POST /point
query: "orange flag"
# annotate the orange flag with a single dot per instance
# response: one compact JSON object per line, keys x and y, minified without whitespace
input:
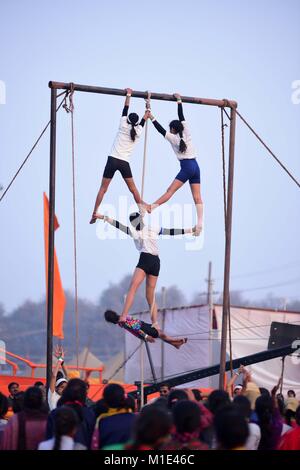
{"x":59,"y":300}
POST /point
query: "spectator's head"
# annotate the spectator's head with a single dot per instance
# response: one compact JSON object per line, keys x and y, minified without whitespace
{"x":111,"y":317}
{"x":231,"y":428}
{"x":42,"y":387}
{"x":114,"y":396}
{"x":176,"y":395}
{"x":197,"y":394}
{"x":13,"y":389}
{"x":264,"y":391}
{"x":3,"y":405}
{"x":39,"y":384}
{"x":291,"y":394}
{"x":187,"y":417}
{"x":74,"y":391}
{"x":136,"y":220}
{"x":65,"y":424}
{"x":217,"y":400}
{"x":60,"y":385}
{"x":152,"y":427}
{"x":242,"y":405}
{"x":164,"y":389}
{"x":33,"y":399}
{"x":18,"y":402}
{"x":237,"y":390}
{"x":264,"y":411}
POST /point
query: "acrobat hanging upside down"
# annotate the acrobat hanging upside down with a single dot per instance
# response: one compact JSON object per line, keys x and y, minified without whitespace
{"x":142,"y":330}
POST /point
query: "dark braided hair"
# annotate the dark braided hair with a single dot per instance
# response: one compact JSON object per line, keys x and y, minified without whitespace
{"x":178,"y":128}
{"x":133,"y":119}
{"x":65,"y":422}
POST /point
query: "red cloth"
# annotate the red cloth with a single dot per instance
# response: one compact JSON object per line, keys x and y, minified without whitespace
{"x":290,"y":440}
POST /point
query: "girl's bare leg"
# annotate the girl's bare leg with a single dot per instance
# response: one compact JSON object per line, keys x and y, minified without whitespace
{"x":137,"y":197}
{"x":168,"y":194}
{"x":196,"y":192}
{"x":137,"y":278}
{"x":150,"y":296}
{"x":176,"y":342}
{"x":103,"y":188}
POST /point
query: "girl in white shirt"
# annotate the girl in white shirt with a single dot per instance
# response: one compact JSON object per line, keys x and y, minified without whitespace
{"x":145,"y":239}
{"x":181,"y":142}
{"x":130,"y":130}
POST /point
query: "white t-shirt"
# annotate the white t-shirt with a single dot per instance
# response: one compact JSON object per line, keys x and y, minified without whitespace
{"x":174,"y":140}
{"x":53,"y":398}
{"x":146,"y":239}
{"x":254,"y":437}
{"x":123,"y":143}
{"x":66,"y":443}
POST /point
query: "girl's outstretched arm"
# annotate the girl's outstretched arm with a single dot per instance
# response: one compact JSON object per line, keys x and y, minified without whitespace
{"x":180,"y":108}
{"x":115,"y":223}
{"x":175,"y":231}
{"x":157,"y":126}
{"x":127,"y":101}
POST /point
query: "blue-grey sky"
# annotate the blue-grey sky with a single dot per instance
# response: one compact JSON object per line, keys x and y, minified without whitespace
{"x":248,"y":51}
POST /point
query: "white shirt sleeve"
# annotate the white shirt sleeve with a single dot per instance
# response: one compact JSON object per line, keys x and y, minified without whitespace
{"x":172,"y":138}
{"x":139,"y":130}
{"x":134,"y":233}
{"x":186,"y":129}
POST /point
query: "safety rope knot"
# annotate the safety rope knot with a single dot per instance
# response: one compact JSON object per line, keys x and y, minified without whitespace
{"x":69,"y":106}
{"x":147,"y":101}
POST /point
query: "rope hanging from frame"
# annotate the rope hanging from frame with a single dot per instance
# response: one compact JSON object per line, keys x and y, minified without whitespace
{"x":32,"y":148}
{"x":69,"y":108}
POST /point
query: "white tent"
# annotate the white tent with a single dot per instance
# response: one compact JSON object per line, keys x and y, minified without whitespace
{"x":250,"y":334}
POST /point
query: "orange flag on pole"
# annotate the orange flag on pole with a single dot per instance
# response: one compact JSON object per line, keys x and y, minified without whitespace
{"x":59,"y":300}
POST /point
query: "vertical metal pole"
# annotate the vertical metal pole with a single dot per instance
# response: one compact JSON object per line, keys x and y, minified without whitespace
{"x":163,"y":293}
{"x":226,"y":296}
{"x":210,"y":316}
{"x":208,"y":283}
{"x":150,"y":362}
{"x":51,"y":235}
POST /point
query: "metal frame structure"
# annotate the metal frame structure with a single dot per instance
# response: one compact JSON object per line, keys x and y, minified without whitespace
{"x":54,"y":86}
{"x":215,"y":369}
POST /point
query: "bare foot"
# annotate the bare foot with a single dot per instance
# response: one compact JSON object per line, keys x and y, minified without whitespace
{"x":179,"y":342}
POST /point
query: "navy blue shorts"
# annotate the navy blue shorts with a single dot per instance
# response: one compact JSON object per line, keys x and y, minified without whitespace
{"x":190,"y":171}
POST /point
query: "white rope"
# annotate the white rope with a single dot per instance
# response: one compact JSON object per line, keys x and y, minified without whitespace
{"x":147,"y":103}
{"x":145,"y":147}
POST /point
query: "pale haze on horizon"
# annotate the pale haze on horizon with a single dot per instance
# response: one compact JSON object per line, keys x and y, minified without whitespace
{"x":247,"y":51}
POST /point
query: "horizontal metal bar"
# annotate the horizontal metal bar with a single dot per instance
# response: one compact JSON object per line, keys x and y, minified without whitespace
{"x":142,"y":94}
{"x":214,"y":370}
